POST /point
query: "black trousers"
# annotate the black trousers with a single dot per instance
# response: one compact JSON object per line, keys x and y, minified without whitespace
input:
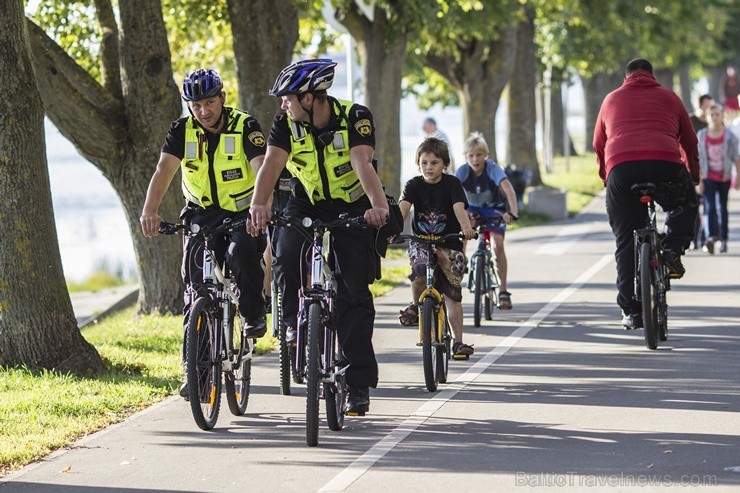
{"x":354,"y":265}
{"x":243,"y":253}
{"x":626,"y":213}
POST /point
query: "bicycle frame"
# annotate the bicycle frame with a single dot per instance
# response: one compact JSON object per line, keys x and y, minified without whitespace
{"x":222,"y":289}
{"x":224,"y":292}
{"x":648,"y":234}
{"x":320,"y":289}
{"x":430,"y":290}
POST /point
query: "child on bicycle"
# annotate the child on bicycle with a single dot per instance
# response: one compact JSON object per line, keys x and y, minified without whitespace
{"x":439,"y":209}
{"x":491,"y":199}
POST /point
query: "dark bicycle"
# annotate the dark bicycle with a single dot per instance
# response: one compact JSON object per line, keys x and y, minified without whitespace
{"x":483,"y":280}
{"x":652,"y":279}
{"x":215,"y":342}
{"x":318,"y":356}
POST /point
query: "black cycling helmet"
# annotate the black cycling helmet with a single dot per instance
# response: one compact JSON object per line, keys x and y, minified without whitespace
{"x":304,"y":76}
{"x":201,"y":84}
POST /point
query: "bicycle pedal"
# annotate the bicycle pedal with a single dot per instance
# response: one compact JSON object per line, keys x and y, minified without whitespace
{"x":461,"y":357}
{"x":355,"y":413}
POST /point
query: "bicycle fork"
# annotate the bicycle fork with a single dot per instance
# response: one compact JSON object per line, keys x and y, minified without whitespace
{"x":440,"y":312}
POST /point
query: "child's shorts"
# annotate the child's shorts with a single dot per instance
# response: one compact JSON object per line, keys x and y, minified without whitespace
{"x":448,"y":272}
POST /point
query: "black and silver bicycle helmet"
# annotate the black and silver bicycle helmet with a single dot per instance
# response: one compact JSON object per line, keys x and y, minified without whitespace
{"x":201,"y":84}
{"x":304,"y":76}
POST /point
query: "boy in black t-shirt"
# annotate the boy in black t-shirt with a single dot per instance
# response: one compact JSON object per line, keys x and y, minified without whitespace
{"x":439,"y":209}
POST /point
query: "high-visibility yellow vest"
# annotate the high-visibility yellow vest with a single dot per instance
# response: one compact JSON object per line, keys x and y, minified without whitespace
{"x":328,"y":175}
{"x":232,"y":178}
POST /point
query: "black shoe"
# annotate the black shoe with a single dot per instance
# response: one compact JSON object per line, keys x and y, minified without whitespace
{"x":358,"y":402}
{"x":632,"y":321}
{"x":184,"y":391}
{"x":672,"y":261}
{"x":256,"y":328}
{"x":709,"y":245}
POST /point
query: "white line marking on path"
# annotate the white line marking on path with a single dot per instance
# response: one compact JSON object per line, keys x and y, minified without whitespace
{"x":565,"y":238}
{"x":360,"y":466}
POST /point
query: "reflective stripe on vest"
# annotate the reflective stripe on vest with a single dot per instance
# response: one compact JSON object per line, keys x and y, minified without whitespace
{"x":303,"y":161}
{"x":234,"y":176}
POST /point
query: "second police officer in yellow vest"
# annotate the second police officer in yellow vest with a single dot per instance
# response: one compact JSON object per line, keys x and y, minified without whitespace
{"x":328,"y":146}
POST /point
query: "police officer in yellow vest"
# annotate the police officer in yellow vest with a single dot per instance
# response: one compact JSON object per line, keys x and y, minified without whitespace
{"x":328,"y":145}
{"x":219,"y":150}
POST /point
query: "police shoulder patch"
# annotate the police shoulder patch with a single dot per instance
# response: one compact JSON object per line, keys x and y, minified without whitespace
{"x":257,"y":138}
{"x":364,"y":127}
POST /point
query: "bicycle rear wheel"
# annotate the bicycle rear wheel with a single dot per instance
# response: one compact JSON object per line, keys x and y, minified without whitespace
{"x":429,"y":354}
{"x":479,"y":289}
{"x":313,"y":374}
{"x":648,"y":295}
{"x":237,"y":382}
{"x":203,"y":365}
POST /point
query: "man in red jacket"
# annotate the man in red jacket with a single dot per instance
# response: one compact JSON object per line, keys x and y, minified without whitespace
{"x":644,"y":134}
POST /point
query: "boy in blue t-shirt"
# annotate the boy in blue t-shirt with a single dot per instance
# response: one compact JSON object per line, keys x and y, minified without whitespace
{"x":439,"y":204}
{"x":491,"y":199}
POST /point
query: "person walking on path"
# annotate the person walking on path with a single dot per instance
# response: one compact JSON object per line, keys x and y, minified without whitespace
{"x":718,"y":155}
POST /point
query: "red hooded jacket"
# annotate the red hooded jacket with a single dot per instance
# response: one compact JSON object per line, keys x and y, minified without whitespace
{"x":644,"y":121}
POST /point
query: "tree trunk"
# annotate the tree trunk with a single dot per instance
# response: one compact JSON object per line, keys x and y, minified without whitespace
{"x":522,"y":147}
{"x":685,"y":80}
{"x":257,"y":67}
{"x":595,"y":90}
{"x":479,"y":71}
{"x":37,"y":325}
{"x":381,"y":45}
{"x":122,"y":135}
{"x":665,"y":77}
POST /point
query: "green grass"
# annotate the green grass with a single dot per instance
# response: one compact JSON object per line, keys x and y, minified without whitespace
{"x":580,"y":177}
{"x":41,"y":411}
{"x":96,"y":281}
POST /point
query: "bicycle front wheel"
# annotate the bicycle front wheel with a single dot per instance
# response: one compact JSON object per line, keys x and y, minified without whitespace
{"x":480,"y":289}
{"x":203,"y":364}
{"x":429,"y":354}
{"x":313,"y":374}
{"x":237,"y":383}
{"x":491,"y":290}
{"x":442,"y":348}
{"x":648,"y":295}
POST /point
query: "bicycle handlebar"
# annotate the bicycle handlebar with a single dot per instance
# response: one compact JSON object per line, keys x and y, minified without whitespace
{"x":197,"y":231}
{"x":307,"y":222}
{"x":432,"y":241}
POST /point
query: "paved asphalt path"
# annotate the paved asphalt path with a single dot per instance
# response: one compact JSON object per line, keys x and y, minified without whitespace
{"x":556,"y":395}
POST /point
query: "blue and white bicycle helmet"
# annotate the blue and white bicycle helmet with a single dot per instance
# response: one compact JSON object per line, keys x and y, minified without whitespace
{"x":304,"y":76}
{"x":201,"y":84}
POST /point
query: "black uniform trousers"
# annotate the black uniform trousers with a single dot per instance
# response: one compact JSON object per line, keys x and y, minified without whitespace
{"x":354,"y":265}
{"x":626,"y":213}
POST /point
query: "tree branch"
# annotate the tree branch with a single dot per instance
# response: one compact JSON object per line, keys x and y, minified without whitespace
{"x":352,"y":19}
{"x":111,"y":66}
{"x":82,"y":109}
